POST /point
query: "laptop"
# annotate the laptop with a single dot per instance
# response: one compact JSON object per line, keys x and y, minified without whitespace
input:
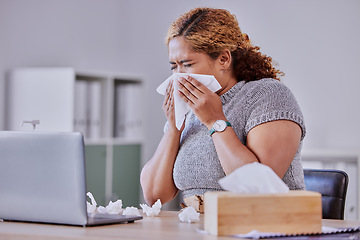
{"x":43,"y":180}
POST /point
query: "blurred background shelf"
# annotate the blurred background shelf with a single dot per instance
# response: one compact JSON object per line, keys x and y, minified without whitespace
{"x":104,"y":106}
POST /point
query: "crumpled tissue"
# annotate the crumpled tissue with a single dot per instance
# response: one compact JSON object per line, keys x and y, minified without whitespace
{"x":180,"y":107}
{"x":253,"y":178}
{"x":152,"y":211}
{"x":189,"y":215}
{"x":111,"y":208}
{"x":91,"y":207}
{"x":131,"y":211}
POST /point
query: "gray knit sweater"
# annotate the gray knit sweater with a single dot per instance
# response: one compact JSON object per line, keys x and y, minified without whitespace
{"x":197,"y":168}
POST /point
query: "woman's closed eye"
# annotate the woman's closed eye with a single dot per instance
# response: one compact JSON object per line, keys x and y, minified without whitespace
{"x":173,"y":67}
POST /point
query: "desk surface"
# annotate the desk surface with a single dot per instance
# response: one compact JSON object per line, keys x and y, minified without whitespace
{"x":166,"y":226}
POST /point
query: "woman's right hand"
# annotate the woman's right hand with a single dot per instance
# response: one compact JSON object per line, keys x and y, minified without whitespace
{"x":169,"y":107}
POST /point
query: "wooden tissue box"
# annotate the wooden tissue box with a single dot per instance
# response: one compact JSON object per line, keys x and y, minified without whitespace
{"x":295,"y":212}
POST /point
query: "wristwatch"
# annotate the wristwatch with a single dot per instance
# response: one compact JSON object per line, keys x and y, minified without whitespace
{"x":219,"y":126}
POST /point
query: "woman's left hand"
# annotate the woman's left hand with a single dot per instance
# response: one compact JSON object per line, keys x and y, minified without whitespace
{"x":205,"y":104}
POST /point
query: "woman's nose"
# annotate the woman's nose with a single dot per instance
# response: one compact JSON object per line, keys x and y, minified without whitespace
{"x":179,"y":69}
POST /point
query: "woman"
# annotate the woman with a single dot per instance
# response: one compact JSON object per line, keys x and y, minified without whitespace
{"x":252,"y":118}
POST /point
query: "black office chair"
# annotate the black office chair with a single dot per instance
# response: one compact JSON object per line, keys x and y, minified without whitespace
{"x":332,"y":184}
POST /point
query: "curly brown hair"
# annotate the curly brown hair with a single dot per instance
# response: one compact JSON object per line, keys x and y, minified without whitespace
{"x":211,"y":31}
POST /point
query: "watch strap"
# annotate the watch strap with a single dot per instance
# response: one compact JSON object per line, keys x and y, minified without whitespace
{"x":212,"y":130}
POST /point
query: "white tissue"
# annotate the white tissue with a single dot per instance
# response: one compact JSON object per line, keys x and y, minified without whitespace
{"x":253,"y":178}
{"x":189,"y":214}
{"x":131,"y":211}
{"x":101,"y":209}
{"x":181,"y":108}
{"x":153,"y":211}
{"x":112,"y":207}
{"x":91,"y":207}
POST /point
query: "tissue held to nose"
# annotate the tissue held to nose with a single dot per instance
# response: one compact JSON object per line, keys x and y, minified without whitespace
{"x":181,"y":108}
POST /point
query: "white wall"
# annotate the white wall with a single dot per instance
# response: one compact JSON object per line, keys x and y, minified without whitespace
{"x":2,"y":103}
{"x":316,"y":44}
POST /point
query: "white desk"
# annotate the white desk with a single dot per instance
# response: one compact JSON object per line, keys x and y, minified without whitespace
{"x":165,"y":227}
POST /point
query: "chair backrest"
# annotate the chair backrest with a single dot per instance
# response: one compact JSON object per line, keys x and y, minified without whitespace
{"x":332,"y":184}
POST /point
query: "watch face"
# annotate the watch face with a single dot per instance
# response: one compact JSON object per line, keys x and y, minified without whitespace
{"x":220,"y":125}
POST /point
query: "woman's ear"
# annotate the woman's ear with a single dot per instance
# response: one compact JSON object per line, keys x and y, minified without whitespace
{"x":225,"y":59}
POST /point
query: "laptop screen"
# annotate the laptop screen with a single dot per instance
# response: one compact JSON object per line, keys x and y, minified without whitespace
{"x":43,"y":177}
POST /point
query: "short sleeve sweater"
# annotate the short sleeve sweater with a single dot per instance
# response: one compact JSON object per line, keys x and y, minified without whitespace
{"x":197,"y":168}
